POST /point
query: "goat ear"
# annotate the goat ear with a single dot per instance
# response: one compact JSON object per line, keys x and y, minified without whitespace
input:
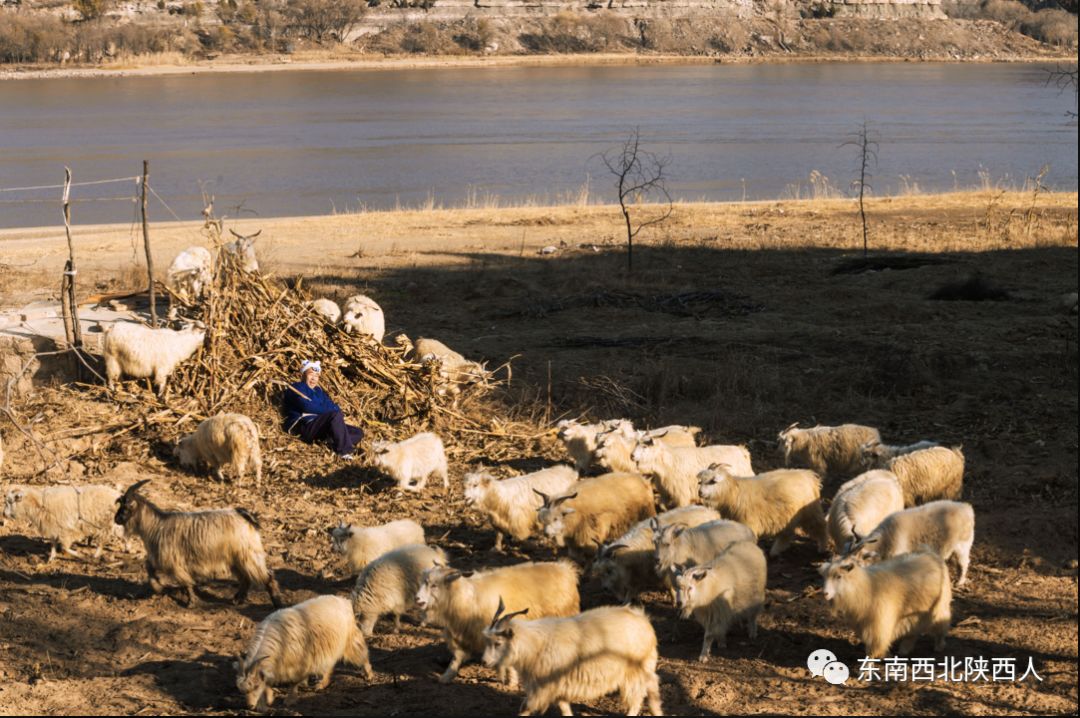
{"x":677,"y":530}
{"x":699,"y":573}
{"x":569,"y":510}
{"x":823,"y":567}
{"x":847,"y":567}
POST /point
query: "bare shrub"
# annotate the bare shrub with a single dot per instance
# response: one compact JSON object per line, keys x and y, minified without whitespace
{"x":31,"y":38}
{"x":322,"y":20}
{"x":1052,"y":26}
{"x":427,"y":38}
{"x":569,"y":32}
{"x":91,"y":9}
{"x":475,"y":34}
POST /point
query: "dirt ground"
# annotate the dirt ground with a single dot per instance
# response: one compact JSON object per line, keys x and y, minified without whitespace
{"x":735,"y":318}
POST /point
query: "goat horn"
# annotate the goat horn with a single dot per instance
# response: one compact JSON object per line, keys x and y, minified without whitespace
{"x":498,"y":612}
{"x":546,"y":499}
{"x":135,"y":487}
{"x":561,"y":499}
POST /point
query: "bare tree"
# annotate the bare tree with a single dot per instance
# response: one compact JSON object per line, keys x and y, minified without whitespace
{"x":639,"y":176}
{"x":1065,"y":79}
{"x":865,"y":140}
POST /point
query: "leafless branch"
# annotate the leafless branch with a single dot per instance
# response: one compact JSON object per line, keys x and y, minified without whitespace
{"x":639,"y":175}
{"x":1064,"y":79}
{"x":865,"y":140}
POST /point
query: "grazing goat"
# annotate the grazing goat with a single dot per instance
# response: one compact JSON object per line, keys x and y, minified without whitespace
{"x":614,"y":448}
{"x":674,"y":471}
{"x":388,"y":585}
{"x":193,"y":546}
{"x":64,"y":515}
{"x":929,"y":474}
{"x":243,"y":249}
{"x":141,"y":352}
{"x":191,"y":273}
{"x":729,"y":588}
{"x":361,"y":545}
{"x":223,"y":440}
{"x":293,"y":644}
{"x":898,"y":599}
{"x":831,"y":451}
{"x":626,"y":567}
{"x":511,"y":504}
{"x":594,"y":511}
{"x":578,"y":658}
{"x":462,"y":602}
{"x":413,"y":461}
{"x":364,"y":316}
{"x":945,"y":527}
{"x":861,"y":504}
{"x":776,"y":503}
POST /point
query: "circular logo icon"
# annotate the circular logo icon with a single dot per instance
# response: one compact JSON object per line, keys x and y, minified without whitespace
{"x":836,"y":673}
{"x":818,"y":660}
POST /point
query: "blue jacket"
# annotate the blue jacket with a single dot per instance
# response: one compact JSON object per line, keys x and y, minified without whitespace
{"x":304,"y":403}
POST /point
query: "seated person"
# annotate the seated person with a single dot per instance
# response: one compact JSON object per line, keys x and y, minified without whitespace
{"x":312,"y":415}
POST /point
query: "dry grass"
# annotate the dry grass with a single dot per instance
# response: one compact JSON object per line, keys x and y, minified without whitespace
{"x":990,"y":219}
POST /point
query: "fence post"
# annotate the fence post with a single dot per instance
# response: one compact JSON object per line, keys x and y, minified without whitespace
{"x":70,"y":310}
{"x":146,"y":244}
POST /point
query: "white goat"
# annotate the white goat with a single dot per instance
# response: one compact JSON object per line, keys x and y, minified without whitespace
{"x":899,"y":599}
{"x":327,"y":309}
{"x":462,"y":603}
{"x":861,"y":504}
{"x":293,"y":644}
{"x":140,"y":352}
{"x":929,"y":474}
{"x":776,"y":503}
{"x":876,"y":455}
{"x":579,"y":658}
{"x":223,"y":440}
{"x":626,"y":566}
{"x":945,"y":527}
{"x":364,"y":316}
{"x":64,"y":515}
{"x":193,"y":546}
{"x":191,"y":272}
{"x":361,"y":545}
{"x":615,"y":447}
{"x":729,"y":588}
{"x":411,"y":462}
{"x":831,"y":451}
{"x":243,"y":248}
{"x":454,"y":370}
{"x":580,"y":440}
{"x":677,"y":546}
{"x":511,"y":504}
{"x":388,"y":585}
{"x":675,"y":471}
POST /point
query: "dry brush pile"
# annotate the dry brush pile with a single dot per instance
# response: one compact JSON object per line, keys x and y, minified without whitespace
{"x":259,"y":329}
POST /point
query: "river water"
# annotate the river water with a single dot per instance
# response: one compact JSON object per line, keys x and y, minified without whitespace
{"x":297,"y":143}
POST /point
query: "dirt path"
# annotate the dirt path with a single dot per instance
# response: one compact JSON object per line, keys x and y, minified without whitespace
{"x":734,"y":320}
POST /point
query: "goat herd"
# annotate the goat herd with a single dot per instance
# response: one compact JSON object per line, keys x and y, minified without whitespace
{"x":888,"y":579}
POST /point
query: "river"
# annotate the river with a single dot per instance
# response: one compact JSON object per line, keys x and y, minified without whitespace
{"x":298,"y":143}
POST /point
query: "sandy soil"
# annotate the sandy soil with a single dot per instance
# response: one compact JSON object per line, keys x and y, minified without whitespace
{"x":312,"y":61}
{"x":734,"y":319}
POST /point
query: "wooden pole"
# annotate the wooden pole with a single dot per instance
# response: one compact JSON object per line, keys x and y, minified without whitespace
{"x":146,"y":244}
{"x":72,"y":330}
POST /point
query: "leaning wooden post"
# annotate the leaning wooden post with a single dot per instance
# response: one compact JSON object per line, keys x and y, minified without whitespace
{"x":146,"y":244}
{"x":72,"y":330}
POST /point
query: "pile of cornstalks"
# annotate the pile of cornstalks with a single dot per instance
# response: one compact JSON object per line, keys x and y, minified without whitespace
{"x":258,"y":331}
